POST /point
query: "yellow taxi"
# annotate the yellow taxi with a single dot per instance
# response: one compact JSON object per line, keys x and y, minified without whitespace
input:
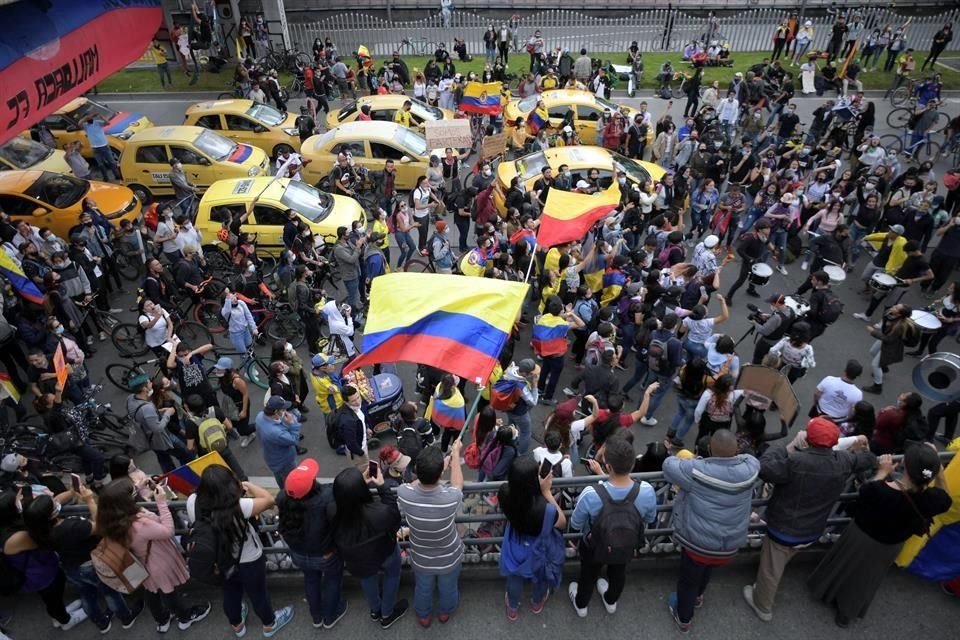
{"x":587,"y":110}
{"x":383,"y":108}
{"x":371,"y":144}
{"x":23,"y":153}
{"x":580,"y":160}
{"x":64,"y":124}
{"x":206,"y":157}
{"x":249,"y":122}
{"x":267,"y":200}
{"x":54,"y":200}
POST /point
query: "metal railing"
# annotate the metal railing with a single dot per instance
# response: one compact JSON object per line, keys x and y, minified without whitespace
{"x":748,"y":30}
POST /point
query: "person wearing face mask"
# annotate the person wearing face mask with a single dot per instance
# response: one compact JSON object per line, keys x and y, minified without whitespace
{"x":241,"y":326}
{"x":184,"y":191}
{"x":278,"y":430}
{"x":187,"y":234}
{"x":440,"y":251}
{"x":564,"y":179}
{"x":65,"y":283}
{"x":166,"y":236}
{"x":186,"y":365}
{"x":34,"y":266}
{"x":153,"y":425}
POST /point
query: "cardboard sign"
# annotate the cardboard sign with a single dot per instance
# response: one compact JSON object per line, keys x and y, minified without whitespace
{"x":494,"y":145}
{"x":60,"y":366}
{"x":448,"y":133}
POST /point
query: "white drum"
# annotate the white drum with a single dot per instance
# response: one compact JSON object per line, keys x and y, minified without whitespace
{"x":760,"y":274}
{"x":882,"y":282}
{"x":925,"y":321}
{"x":837,"y":274}
{"x":798,"y":305}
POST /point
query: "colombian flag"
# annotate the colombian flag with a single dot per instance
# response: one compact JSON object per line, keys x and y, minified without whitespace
{"x":185,"y":480}
{"x":474,"y":263}
{"x":506,"y":394}
{"x":936,"y":557}
{"x":613,"y":282}
{"x":524,"y":235}
{"x":549,"y":335}
{"x":453,"y":323}
{"x":23,"y":285}
{"x":567,"y":216}
{"x":450,"y":413}
{"x":492,"y":380}
{"x":538,"y":119}
{"x":594,"y":270}
{"x":481,"y":98}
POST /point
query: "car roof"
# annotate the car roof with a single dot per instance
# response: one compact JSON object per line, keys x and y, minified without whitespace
{"x":229,"y":190}
{"x":388,"y":101}
{"x":18,"y":181}
{"x":220,"y":106}
{"x":568,"y":95}
{"x":176,"y":133}
{"x":367,"y":128}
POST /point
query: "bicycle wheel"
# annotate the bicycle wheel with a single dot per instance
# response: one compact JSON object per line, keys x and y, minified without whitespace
{"x":899,"y":96}
{"x":943,"y":120}
{"x":128,"y":266}
{"x":286,"y":327}
{"x":194,"y":333}
{"x":928,"y":150}
{"x":268,"y":262}
{"x":899,"y":118}
{"x":258,"y":374}
{"x":418,"y":265}
{"x":207,"y":313}
{"x":120,"y":374}
{"x":107,"y":321}
{"x":677,"y":90}
{"x":893,"y":144}
{"x":129,"y":340}
{"x":216,"y":258}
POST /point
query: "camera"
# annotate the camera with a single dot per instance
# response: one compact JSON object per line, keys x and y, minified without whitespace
{"x":755,"y":314}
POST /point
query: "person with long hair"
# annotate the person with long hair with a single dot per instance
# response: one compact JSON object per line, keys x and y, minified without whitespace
{"x":308,"y":530}
{"x":895,"y":331}
{"x":861,"y":422}
{"x":694,"y":379}
{"x":447,"y":410}
{"x":901,"y":426}
{"x":228,"y":504}
{"x":234,"y":388}
{"x":795,"y":353}
{"x":366,"y":537}
{"x":150,"y":539}
{"x":527,"y":503}
{"x":890,"y":509}
{"x":164,"y":396}
{"x":716,"y":406}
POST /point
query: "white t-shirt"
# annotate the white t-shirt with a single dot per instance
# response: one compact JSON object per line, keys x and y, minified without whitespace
{"x":165,"y":229}
{"x":252,"y":549}
{"x":421,"y":202}
{"x":837,"y":397}
{"x":187,"y":237}
{"x":698,"y":331}
{"x":156,"y":335}
{"x":566,"y":467}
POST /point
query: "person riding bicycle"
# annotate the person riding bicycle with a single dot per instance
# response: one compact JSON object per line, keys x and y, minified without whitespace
{"x":922,"y":122}
{"x":303,"y":300}
{"x":665,"y":76}
{"x":346,"y":176}
{"x":928,"y":90}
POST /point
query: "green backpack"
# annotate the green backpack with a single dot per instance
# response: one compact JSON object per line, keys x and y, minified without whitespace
{"x":212,"y":435}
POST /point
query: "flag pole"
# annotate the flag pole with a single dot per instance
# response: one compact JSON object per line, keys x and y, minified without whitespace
{"x":473,"y":410}
{"x":533,"y":258}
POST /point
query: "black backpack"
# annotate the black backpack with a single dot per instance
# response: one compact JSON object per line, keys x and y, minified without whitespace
{"x":334,"y":439}
{"x":209,"y":559}
{"x":832,"y":308}
{"x":658,"y":355}
{"x":617,"y":531}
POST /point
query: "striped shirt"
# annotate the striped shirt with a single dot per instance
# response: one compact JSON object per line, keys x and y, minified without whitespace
{"x":435,"y":545}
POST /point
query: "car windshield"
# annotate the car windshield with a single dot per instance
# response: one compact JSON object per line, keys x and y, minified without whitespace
{"x":266,"y":114}
{"x":23,"y":153}
{"x":531,"y":165}
{"x":58,"y":190}
{"x":411,"y":142}
{"x":633,"y":168}
{"x":91,"y":108}
{"x":346,"y":111}
{"x":214,"y":145}
{"x":423,"y":111}
{"x":528,"y":103}
{"x":312,"y":204}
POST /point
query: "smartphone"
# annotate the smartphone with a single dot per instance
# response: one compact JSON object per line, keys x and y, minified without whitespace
{"x":373,"y":469}
{"x":545,"y":468}
{"x":75,"y":480}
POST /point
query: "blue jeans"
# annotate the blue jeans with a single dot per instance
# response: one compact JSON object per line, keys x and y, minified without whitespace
{"x":699,"y":220}
{"x":383,"y":603}
{"x":241,"y":340}
{"x":106,"y":161}
{"x":779,"y":239}
{"x":684,"y":418}
{"x":657,"y":397}
{"x":515,"y":591}
{"x":777,"y":108}
{"x":353,"y":293}
{"x":85,"y":579}
{"x":524,"y":427}
{"x":448,"y":587}
{"x":250,"y":579}
{"x":322,"y":580}
{"x":166,"y":80}
{"x":857,"y":234}
{"x":694,"y":349}
{"x":408,"y":248}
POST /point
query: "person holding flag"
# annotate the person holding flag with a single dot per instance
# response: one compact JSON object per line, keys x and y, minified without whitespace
{"x":549,"y":342}
{"x":539,"y":118}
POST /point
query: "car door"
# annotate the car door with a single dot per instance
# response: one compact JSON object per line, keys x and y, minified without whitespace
{"x":557,"y":113}
{"x":20,"y":207}
{"x":151,"y":168}
{"x":240,"y":128}
{"x":200,"y":170}
{"x":267,"y":223}
{"x":588,"y":119}
{"x":212,"y":121}
{"x":408,"y":167}
{"x":65,"y":130}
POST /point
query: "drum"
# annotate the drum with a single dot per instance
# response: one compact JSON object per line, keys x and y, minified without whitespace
{"x":760,"y":274}
{"x":837,"y":274}
{"x":882,"y":282}
{"x":925,"y":321}
{"x":798,"y":305}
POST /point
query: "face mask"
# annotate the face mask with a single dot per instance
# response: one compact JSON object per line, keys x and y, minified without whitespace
{"x":487,"y":172}
{"x":622,"y":180}
{"x":252,"y":268}
{"x":59,"y":330}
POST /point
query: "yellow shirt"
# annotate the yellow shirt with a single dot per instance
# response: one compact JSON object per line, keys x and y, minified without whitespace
{"x":326,"y":392}
{"x":518,"y":137}
{"x":897,"y":255}
{"x":402,"y":116}
{"x":158,"y":55}
{"x":547,"y":291}
{"x":552,"y":261}
{"x":381,"y":227}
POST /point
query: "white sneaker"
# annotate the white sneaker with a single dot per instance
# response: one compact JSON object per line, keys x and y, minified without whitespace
{"x":75,"y":605}
{"x":246,"y":440}
{"x":803,"y":265}
{"x":766,"y":616}
{"x":103,"y":336}
{"x":572,"y":592}
{"x":648,"y":422}
{"x":602,"y":587}
{"x":861,"y":316}
{"x":782,"y":269}
{"x":76,"y":617}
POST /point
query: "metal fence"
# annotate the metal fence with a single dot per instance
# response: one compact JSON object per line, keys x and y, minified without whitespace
{"x":750,"y":30}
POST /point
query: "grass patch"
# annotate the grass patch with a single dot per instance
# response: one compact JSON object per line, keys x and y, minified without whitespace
{"x":147,"y":80}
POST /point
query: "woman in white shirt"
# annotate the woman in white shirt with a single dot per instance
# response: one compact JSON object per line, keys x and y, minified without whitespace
{"x":715,"y":409}
{"x":419,"y":87}
{"x":795,"y":353}
{"x":219,"y":501}
{"x":157,"y":327}
{"x":697,"y":328}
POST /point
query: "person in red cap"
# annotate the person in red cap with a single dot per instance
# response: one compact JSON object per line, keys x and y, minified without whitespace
{"x":440,"y":251}
{"x":808,"y":476}
{"x":307,"y":529}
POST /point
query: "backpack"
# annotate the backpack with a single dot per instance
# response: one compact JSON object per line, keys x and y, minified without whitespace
{"x":617,"y":531}
{"x":594,"y":321}
{"x":117,"y":568}
{"x":471,"y":456}
{"x":334,"y":439}
{"x":490,"y":455}
{"x":832,"y":308}
{"x":664,"y":256}
{"x":139,"y":439}
{"x":212,"y":435}
{"x":209,"y":561}
{"x":658,"y":355}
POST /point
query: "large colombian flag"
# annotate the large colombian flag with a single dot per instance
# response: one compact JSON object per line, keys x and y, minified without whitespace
{"x":55,"y":50}
{"x":23,"y":285}
{"x":185,"y":480}
{"x":481,"y":98}
{"x":450,"y":322}
{"x":567,"y":216}
{"x":936,"y":556}
{"x":549,"y":335}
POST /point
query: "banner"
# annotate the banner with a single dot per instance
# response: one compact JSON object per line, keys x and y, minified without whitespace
{"x":54,"y":51}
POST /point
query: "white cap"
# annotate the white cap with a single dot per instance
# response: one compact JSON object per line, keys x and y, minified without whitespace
{"x":808,"y":23}
{"x":583,"y":184}
{"x":711,"y":241}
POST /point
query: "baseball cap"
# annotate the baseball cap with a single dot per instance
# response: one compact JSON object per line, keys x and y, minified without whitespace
{"x":224,"y":363}
{"x":300,"y":480}
{"x":897,"y":229}
{"x":527,"y":365}
{"x":10,"y":463}
{"x":711,"y":241}
{"x":137,"y":381}
{"x":276,"y":403}
{"x":822,"y":433}
{"x":583,"y":184}
{"x":775,"y":298}
{"x":320,"y":360}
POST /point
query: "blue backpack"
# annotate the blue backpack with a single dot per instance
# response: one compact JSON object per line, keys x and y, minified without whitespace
{"x":539,"y":558}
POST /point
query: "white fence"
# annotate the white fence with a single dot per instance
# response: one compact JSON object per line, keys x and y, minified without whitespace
{"x":751,"y":30}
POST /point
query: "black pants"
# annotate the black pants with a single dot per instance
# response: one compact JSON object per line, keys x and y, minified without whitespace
{"x":550,"y":370}
{"x":92,"y":460}
{"x":816,"y":329}
{"x":942,"y":266}
{"x":777,"y":49}
{"x":931,"y":340}
{"x":311,"y":327}
{"x":463,"y":228}
{"x":691,"y":584}
{"x":932,"y":58}
{"x":449,"y":435}
{"x":949,"y":412}
{"x":164,"y":605}
{"x":579,"y":345}
{"x":693,"y":100}
{"x":761,"y":350}
{"x":504,"y":48}
{"x":52,"y":597}
{"x":11,"y":355}
{"x":742,"y":277}
{"x":590,"y":571}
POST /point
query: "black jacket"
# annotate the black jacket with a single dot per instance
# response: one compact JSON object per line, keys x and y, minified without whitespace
{"x":350,"y":429}
{"x":315,"y":537}
{"x":366,"y":546}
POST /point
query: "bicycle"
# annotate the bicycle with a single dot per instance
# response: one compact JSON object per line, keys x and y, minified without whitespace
{"x":235,"y":93}
{"x":276,"y":320}
{"x":104,"y":320}
{"x":129,"y":338}
{"x":904,"y":93}
{"x":422,"y":264}
{"x":925,"y":147}
{"x":421,"y":46}
{"x":284,"y":60}
{"x":33,"y":443}
{"x":901,"y":118}
{"x":255,"y":368}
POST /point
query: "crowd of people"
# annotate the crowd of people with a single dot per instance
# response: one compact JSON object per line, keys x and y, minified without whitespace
{"x":629,"y":305}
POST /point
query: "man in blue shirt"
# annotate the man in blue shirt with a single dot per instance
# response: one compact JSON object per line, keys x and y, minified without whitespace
{"x":279,"y":432}
{"x":93,"y":127}
{"x":619,"y":458}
